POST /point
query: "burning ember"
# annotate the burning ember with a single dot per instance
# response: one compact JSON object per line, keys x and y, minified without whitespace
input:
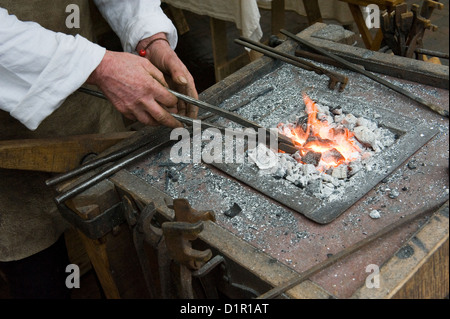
{"x":332,"y":147}
{"x":321,"y":143}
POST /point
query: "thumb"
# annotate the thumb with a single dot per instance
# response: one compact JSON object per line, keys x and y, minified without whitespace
{"x":180,"y":79}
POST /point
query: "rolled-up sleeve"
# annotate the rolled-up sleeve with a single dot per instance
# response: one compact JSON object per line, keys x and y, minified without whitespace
{"x":40,"y":68}
{"x":134,"y":20}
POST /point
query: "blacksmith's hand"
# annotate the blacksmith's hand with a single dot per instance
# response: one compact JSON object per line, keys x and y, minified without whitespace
{"x":158,"y":51}
{"x":136,"y":88}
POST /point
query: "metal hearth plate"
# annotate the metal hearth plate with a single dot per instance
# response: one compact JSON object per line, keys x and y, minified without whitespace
{"x":411,"y":136}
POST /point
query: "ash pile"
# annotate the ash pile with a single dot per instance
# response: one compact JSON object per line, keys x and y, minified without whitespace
{"x":322,"y":166}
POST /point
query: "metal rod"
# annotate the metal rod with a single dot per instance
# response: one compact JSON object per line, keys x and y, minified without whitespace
{"x":190,"y":121}
{"x":222,"y":112}
{"x":355,"y":68}
{"x":282,"y":145}
{"x":107,"y":172}
{"x":432,"y":53}
{"x":269,"y":51}
{"x":206,"y":106}
{"x":346,"y":252}
{"x":98,"y":162}
{"x":92,"y":92}
{"x":296,"y":61}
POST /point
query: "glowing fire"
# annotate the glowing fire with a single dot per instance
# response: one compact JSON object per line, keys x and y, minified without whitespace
{"x":334,"y":146}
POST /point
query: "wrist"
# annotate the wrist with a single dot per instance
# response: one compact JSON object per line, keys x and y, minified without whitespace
{"x":96,"y":75}
{"x":145,"y":46}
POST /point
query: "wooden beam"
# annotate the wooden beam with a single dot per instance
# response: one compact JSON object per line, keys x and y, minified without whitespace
{"x":97,"y":252}
{"x":219,"y":45}
{"x":431,"y":281}
{"x":55,"y":155}
{"x":178,"y":19}
{"x":278,"y":21}
{"x":361,"y":24}
{"x":312,"y":11}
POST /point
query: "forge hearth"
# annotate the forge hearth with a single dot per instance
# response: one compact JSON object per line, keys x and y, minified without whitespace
{"x":309,"y":199}
{"x":332,"y":149}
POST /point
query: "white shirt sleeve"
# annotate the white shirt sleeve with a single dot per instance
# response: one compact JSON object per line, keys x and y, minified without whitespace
{"x":134,"y":20}
{"x":39,"y":68}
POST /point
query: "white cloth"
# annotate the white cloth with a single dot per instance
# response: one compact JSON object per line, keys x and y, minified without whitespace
{"x":244,"y":13}
{"x":134,"y":20}
{"x":39,"y":68}
{"x":329,"y":9}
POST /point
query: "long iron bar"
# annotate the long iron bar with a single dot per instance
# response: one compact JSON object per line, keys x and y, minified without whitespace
{"x":107,"y":172}
{"x":98,"y":162}
{"x":288,"y":148}
{"x":370,"y":75}
{"x":211,"y":116}
{"x":214,"y":109}
{"x":298,"y":279}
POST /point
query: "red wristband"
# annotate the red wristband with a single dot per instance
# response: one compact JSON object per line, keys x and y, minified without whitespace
{"x":143,"y":51}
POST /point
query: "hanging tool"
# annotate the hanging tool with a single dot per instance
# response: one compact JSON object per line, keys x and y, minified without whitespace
{"x":403,"y":30}
{"x":334,"y":77}
{"x":370,"y":75}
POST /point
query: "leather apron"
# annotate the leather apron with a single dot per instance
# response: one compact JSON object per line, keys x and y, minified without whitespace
{"x":29,"y":219}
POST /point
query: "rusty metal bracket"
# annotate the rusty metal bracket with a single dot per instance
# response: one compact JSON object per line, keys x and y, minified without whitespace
{"x":187,"y":224}
{"x":185,"y":213}
{"x":225,"y":283}
{"x":177,"y":237}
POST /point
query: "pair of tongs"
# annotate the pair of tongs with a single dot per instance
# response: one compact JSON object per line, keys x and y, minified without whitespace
{"x":149,"y":144}
{"x":284,"y":143}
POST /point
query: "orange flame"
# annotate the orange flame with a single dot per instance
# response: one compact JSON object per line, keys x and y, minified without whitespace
{"x":336,"y":146}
